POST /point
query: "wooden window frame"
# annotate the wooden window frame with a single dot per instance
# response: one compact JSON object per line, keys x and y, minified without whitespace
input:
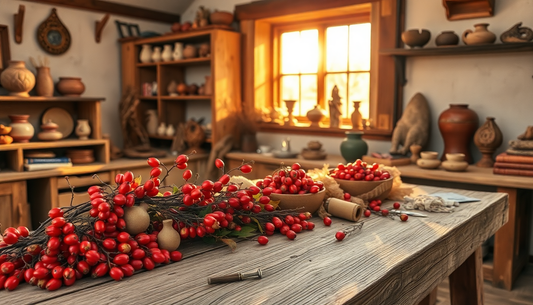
{"x":258,"y":20}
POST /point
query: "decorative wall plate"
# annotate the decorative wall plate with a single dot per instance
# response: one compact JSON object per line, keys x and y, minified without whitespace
{"x":53,"y":36}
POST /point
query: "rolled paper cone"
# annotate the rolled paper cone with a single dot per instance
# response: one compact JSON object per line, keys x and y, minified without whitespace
{"x":343,"y":209}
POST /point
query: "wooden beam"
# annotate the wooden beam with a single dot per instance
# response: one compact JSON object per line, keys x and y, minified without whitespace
{"x":115,"y":8}
{"x":272,"y":8}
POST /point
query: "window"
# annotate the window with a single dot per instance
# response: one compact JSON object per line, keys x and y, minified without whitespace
{"x":271,"y":74}
{"x":309,"y":70}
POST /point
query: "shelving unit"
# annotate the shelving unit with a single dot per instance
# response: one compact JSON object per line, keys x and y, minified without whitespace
{"x":224,"y":67}
{"x":400,"y":54}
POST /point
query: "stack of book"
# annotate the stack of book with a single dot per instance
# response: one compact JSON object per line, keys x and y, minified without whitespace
{"x":35,"y":164}
{"x":516,"y":165}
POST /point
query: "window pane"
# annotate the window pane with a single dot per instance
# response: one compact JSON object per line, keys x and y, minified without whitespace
{"x":360,"y":47}
{"x":290,"y":88}
{"x":340,"y":80}
{"x":359,"y":86}
{"x":308,"y":51}
{"x":309,"y":94}
{"x":290,"y":52}
{"x":337,"y":48}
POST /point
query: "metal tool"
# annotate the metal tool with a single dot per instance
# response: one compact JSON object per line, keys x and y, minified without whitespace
{"x":408,"y":213}
{"x":235,"y":277}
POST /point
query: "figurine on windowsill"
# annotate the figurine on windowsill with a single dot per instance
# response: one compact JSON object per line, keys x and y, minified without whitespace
{"x":335,"y":112}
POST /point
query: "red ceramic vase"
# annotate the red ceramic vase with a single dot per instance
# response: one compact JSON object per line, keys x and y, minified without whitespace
{"x":457,"y":126}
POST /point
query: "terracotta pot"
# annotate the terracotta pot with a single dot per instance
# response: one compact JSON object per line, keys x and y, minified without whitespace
{"x":181,"y":89}
{"x":17,"y":79}
{"x":416,"y":38}
{"x":205,"y":50}
{"x":487,"y":139}
{"x":190,"y":51}
{"x":224,"y":18}
{"x":70,"y":86}
{"x":168,"y":239}
{"x":192,"y":89}
{"x":447,"y":38}
{"x":457,"y":126}
{"x":22,"y":131}
{"x":45,"y":84}
{"x":481,"y":35}
{"x":208,"y":86}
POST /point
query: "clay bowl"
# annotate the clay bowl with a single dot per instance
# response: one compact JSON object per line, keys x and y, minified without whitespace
{"x":429,"y":155}
{"x":356,"y":188}
{"x":416,"y":37}
{"x":428,"y":163}
{"x":308,"y":202}
{"x":224,"y":18}
{"x":456,"y":157}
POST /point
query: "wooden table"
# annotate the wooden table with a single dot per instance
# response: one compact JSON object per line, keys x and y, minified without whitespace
{"x":511,"y":244}
{"x":388,"y":262}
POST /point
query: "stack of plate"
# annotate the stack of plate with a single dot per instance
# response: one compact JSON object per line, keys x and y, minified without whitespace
{"x":81,"y":156}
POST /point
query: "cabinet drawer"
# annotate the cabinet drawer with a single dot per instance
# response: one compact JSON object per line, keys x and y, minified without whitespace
{"x":63,"y":199}
{"x":83,"y":180}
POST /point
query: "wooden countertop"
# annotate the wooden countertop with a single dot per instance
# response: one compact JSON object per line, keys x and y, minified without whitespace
{"x":473,"y":175}
{"x":7,"y":175}
{"x":387,"y":262}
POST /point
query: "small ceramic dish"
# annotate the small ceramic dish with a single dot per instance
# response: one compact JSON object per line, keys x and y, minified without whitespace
{"x":456,"y":157}
{"x":455,"y":166}
{"x":429,"y":155}
{"x":428,"y":163}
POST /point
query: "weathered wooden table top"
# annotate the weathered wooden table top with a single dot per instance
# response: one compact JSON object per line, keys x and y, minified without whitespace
{"x":388,"y":262}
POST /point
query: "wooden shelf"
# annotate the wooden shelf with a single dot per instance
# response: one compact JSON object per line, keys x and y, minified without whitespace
{"x":183,"y":62}
{"x":186,"y":97}
{"x":155,"y":136}
{"x":462,"y":50}
{"x":151,"y":98}
{"x":322,"y":131}
{"x":52,"y":144}
{"x":50,"y":99}
{"x":192,"y":35}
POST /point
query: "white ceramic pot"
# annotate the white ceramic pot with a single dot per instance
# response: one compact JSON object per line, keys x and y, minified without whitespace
{"x":21,"y":130}
{"x":49,"y":132}
{"x":83,"y":130}
{"x":156,"y":54}
{"x":151,"y":121}
{"x":146,"y":54}
{"x":161,"y":129}
{"x":167,"y":53}
{"x":178,"y":51}
{"x":170,"y":131}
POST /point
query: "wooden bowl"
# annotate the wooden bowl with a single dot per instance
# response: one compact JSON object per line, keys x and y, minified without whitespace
{"x":356,"y":188}
{"x":224,"y":18}
{"x":308,"y":202}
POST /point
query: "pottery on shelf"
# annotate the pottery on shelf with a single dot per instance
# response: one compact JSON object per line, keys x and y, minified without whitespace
{"x":21,"y":130}
{"x":146,"y":53}
{"x":416,"y":37}
{"x":313,"y":151}
{"x":455,"y":162}
{"x":428,"y":160}
{"x":171,"y":88}
{"x":156,"y":54}
{"x":178,"y":51}
{"x":170,"y":131}
{"x":315,"y":115}
{"x":488,"y":138}
{"x":167,"y":53}
{"x":161,"y":129}
{"x":181,"y":89}
{"x":17,"y":79}
{"x":415,"y":152}
{"x":190,"y":51}
{"x":457,"y":126}
{"x":83,"y":130}
{"x":290,"y":120}
{"x":447,"y":38}
{"x":192,"y":89}
{"x":208,"y":86}
{"x":152,"y":121}
{"x":70,"y":86}
{"x":137,"y":218}
{"x":220,"y":17}
{"x":45,"y":84}
{"x":353,"y":147}
{"x":205,"y":50}
{"x":49,"y":132}
{"x":168,"y":239}
{"x":480,"y":35}
{"x":357,"y":118}
{"x":517,"y":33}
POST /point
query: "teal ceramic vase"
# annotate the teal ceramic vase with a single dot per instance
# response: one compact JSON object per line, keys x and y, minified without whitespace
{"x":353,"y":147}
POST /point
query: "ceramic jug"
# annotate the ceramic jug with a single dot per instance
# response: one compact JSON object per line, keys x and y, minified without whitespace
{"x":167,"y":53}
{"x":481,"y":35}
{"x":156,"y":55}
{"x":178,"y":51}
{"x":168,"y":239}
{"x":161,"y":129}
{"x":146,"y":54}
{"x":83,"y":130}
{"x":170,"y":131}
{"x":45,"y":84}
{"x":151,"y":121}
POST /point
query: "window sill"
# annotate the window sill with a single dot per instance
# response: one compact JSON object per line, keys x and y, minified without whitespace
{"x":301,"y":129}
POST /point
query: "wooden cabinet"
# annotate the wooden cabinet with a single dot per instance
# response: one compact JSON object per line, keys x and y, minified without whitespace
{"x":14,"y":208}
{"x":223,"y":65}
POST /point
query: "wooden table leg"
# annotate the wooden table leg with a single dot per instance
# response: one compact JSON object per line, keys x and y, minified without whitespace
{"x":511,"y":241}
{"x":466,"y":282}
{"x":431,"y":298}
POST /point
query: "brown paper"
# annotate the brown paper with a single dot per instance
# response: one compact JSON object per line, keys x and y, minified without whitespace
{"x":344,"y":209}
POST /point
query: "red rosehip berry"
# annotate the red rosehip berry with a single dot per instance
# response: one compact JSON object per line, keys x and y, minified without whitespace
{"x":246,"y":168}
{"x":327,"y":221}
{"x":262,"y":240}
{"x":403,"y":217}
{"x":385,"y":212}
{"x":367,"y":213}
{"x":219,"y":163}
{"x":340,"y":235}
{"x":396,"y":205}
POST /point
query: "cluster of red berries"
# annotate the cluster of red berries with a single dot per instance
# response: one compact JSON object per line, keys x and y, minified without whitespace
{"x":288,"y":226}
{"x":359,"y":170}
{"x":375,"y":207}
{"x":290,"y":180}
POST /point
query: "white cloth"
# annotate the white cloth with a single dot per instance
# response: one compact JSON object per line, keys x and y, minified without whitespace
{"x":429,"y":203}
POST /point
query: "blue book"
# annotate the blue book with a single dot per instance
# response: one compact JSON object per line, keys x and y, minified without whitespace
{"x":46,"y":160}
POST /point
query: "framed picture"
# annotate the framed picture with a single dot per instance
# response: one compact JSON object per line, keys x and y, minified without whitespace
{"x":127,"y":29}
{"x":5,"y":54}
{"x":135,"y":31}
